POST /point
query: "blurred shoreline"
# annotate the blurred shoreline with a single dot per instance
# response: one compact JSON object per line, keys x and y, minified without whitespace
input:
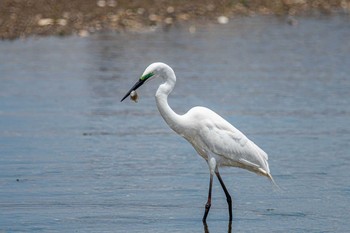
{"x":28,"y":18}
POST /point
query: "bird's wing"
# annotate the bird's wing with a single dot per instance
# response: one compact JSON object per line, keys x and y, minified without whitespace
{"x":232,"y":146}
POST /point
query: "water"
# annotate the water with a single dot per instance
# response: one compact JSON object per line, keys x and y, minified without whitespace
{"x":75,"y":159}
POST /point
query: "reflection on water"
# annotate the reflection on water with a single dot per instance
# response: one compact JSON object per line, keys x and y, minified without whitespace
{"x":74,"y":157}
{"x":206,"y":228}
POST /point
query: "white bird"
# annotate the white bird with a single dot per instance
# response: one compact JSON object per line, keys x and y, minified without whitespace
{"x":216,"y":140}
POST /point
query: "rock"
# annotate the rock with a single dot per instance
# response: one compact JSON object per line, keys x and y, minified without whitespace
{"x":83,"y":33}
{"x":45,"y":22}
{"x":101,"y":3}
{"x":153,"y":17}
{"x":170,"y":9}
{"x":168,"y":20}
{"x":223,"y":20}
{"x":61,"y":22}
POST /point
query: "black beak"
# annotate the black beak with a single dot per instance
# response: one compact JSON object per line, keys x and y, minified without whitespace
{"x":137,"y":85}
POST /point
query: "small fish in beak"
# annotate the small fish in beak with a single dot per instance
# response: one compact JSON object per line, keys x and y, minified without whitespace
{"x":134,"y":96}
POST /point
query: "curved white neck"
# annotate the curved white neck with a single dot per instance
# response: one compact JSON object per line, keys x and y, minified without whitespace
{"x":170,"y":117}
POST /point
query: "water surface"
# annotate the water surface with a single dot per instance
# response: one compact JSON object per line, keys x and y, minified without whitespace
{"x":75,"y":159}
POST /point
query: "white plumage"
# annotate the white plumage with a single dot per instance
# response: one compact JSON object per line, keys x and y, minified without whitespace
{"x":213,"y":136}
{"x":215,"y":139}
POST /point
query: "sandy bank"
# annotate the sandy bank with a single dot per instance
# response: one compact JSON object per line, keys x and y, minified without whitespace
{"x":24,"y":18}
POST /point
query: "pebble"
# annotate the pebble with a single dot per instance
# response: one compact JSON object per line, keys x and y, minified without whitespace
{"x":83,"y":33}
{"x":112,"y":3}
{"x":153,"y":17}
{"x":168,"y":20}
{"x":61,"y":22}
{"x":45,"y":22}
{"x":223,"y":19}
{"x":140,"y":10}
{"x":101,"y":3}
{"x":170,"y":9}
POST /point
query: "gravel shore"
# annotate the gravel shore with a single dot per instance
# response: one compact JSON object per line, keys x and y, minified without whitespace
{"x":25,"y":18}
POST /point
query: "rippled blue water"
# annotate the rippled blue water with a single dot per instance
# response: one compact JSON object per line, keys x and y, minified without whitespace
{"x":75,"y":159}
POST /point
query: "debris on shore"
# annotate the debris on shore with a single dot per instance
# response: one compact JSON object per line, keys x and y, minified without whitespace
{"x":25,"y":18}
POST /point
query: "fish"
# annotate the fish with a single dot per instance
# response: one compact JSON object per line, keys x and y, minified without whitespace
{"x":134,"y":96}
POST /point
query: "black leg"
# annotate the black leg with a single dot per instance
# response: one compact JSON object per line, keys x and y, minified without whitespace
{"x":206,"y":229}
{"x":228,"y":197}
{"x":207,"y":206}
{"x":229,"y":228}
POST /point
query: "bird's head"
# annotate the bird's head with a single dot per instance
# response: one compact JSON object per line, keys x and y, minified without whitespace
{"x":152,"y":71}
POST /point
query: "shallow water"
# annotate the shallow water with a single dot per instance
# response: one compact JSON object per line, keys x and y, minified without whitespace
{"x":75,"y":159}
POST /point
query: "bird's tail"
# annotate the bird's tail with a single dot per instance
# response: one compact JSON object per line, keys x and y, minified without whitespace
{"x":273,"y":182}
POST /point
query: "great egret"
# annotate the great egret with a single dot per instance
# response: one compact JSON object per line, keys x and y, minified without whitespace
{"x":216,"y":140}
